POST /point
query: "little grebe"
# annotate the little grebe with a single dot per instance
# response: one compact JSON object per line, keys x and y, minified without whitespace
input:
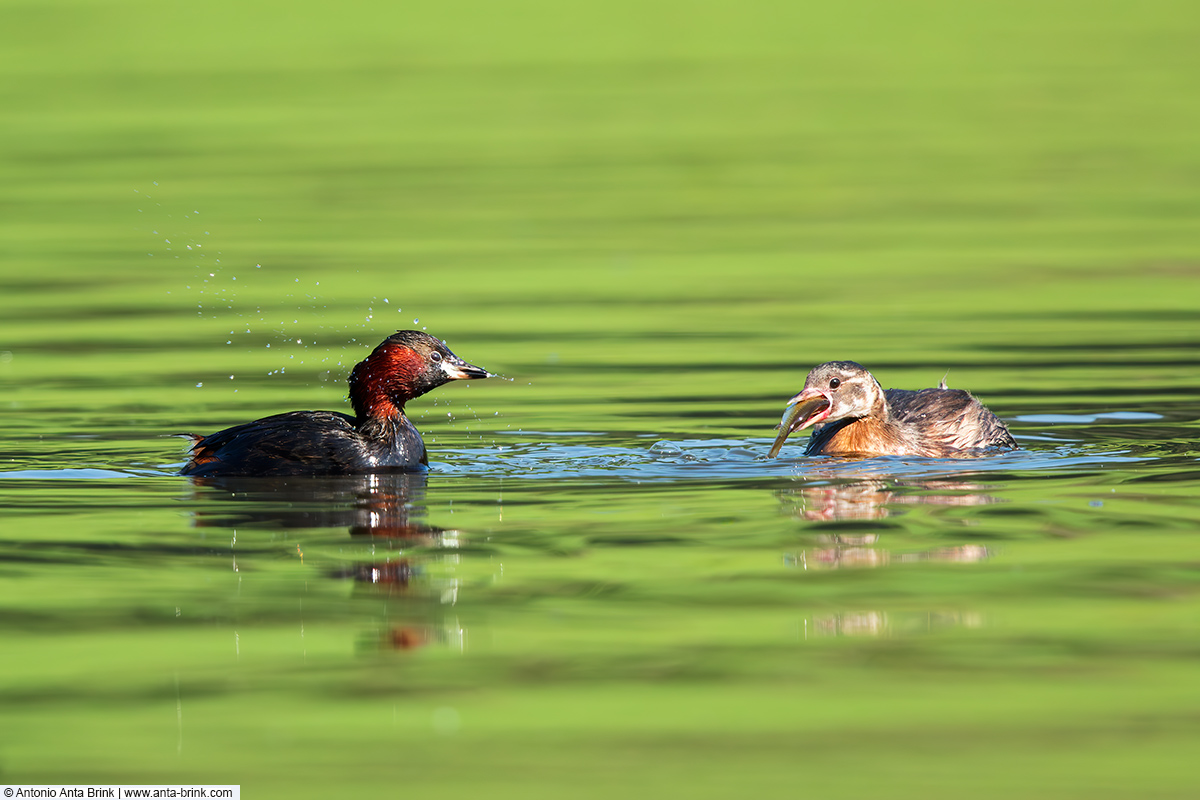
{"x":379,"y":437}
{"x":853,"y":415}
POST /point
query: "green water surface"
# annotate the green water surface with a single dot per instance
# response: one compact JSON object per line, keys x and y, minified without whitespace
{"x":652,"y":219}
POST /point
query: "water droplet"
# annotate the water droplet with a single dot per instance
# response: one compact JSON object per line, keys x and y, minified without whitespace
{"x":198,"y":385}
{"x":666,"y":449}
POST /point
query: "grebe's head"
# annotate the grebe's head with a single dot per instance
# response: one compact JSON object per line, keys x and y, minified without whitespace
{"x":405,"y":365}
{"x":832,"y":391}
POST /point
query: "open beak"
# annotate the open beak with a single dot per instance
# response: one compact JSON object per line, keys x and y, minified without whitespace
{"x":458,"y":370}
{"x":805,"y":409}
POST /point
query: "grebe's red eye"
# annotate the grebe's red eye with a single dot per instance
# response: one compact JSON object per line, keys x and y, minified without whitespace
{"x":834,"y":383}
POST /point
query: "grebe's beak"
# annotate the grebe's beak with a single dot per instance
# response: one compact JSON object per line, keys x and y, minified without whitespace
{"x":805,"y":409}
{"x":458,"y":370}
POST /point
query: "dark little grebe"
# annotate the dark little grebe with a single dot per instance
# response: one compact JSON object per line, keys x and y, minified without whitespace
{"x":853,"y":415}
{"x":379,"y":437}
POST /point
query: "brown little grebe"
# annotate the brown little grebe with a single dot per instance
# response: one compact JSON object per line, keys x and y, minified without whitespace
{"x":853,"y":415}
{"x":379,"y":437}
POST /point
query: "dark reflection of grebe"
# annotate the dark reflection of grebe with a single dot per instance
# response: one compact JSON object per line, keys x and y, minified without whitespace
{"x":388,"y":504}
{"x":388,"y":507}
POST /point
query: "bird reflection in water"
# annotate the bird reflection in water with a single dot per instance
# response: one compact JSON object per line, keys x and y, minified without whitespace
{"x":383,"y":510}
{"x":840,"y":551}
{"x":874,"y":499}
{"x":882,"y":623}
{"x":835,"y":499}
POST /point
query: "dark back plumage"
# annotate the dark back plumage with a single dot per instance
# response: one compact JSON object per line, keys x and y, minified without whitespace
{"x":304,"y":443}
{"x":950,"y":418}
